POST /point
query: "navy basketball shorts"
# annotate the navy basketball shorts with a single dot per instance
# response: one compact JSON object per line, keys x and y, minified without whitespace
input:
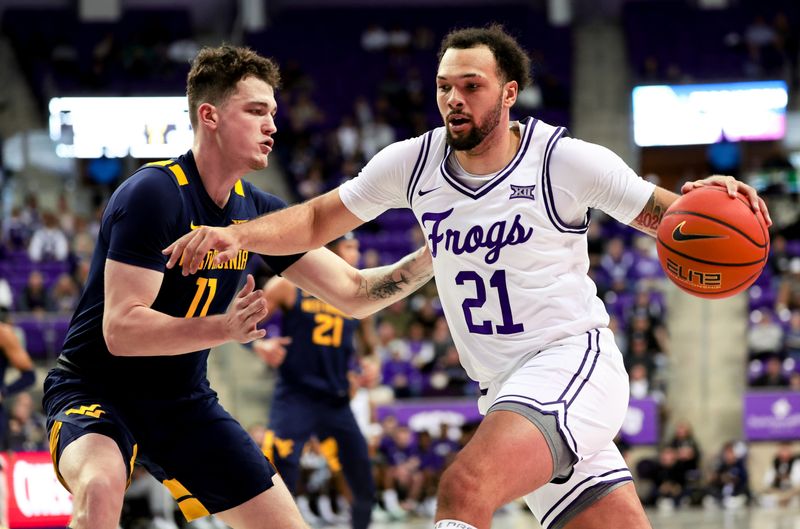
{"x":191,"y":444}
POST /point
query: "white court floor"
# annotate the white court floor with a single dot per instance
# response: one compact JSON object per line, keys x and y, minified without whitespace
{"x":694,"y":518}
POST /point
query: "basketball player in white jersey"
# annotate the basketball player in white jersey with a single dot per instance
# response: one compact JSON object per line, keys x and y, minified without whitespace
{"x":504,"y":206}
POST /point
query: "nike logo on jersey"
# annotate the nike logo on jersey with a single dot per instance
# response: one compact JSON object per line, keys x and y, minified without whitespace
{"x":679,"y":235}
{"x":495,"y":237}
{"x":192,"y":225}
{"x":422,"y":193}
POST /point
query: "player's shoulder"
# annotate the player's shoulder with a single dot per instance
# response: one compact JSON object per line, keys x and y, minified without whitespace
{"x":163,"y":176}
{"x":149,"y":186}
{"x":411,"y":148}
{"x":577,"y":152}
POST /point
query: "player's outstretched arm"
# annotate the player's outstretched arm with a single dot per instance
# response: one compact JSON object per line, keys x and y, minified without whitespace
{"x":292,"y":230}
{"x":360,"y":293}
{"x":650,"y":217}
{"x":132,"y":328}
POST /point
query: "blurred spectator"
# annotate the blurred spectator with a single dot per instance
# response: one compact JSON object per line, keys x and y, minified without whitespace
{"x":422,"y":353}
{"x":405,"y":478}
{"x":348,"y":138}
{"x":729,"y":479}
{"x":782,"y":480}
{"x":779,"y":258}
{"x":765,"y":336}
{"x":83,"y":242}
{"x":398,"y":315}
{"x":773,"y":376}
{"x":669,"y":480}
{"x":64,"y":294}
{"x":791,"y":338}
{"x":14,"y":355}
{"x":449,"y":376}
{"x":688,"y":452}
{"x":26,"y":426}
{"x":399,"y":374}
{"x":441,"y":337}
{"x":617,"y":261}
{"x":639,"y":381}
{"x":375,"y":136}
{"x":789,"y":288}
{"x":66,"y":217}
{"x":6,"y":296}
{"x":35,"y":297}
{"x":16,"y":231}
{"x":48,"y":242}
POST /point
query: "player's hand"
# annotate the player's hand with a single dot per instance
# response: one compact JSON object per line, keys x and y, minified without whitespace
{"x":190,"y":250}
{"x":733,"y":186}
{"x":248,"y":308}
{"x":272,"y":350}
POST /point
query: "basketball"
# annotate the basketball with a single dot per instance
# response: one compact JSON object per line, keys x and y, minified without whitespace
{"x":712,"y":245}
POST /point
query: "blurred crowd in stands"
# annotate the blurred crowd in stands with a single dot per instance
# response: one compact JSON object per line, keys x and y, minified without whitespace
{"x":331,"y":121}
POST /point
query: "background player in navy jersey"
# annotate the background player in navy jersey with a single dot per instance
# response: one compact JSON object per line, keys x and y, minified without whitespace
{"x":505,"y":208}
{"x":130,"y":384}
{"x":312,"y":395}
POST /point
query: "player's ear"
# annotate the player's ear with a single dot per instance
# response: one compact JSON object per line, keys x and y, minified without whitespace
{"x":207,"y":115}
{"x":510,"y":92}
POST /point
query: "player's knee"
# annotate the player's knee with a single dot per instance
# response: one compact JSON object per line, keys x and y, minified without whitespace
{"x":460,"y":484}
{"x":102,"y":490}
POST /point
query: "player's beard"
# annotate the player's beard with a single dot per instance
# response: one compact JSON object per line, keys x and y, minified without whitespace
{"x":478,"y":132}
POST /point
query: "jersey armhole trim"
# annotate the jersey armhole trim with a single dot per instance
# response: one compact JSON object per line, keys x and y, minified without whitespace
{"x":419,"y":166}
{"x":549,"y":200}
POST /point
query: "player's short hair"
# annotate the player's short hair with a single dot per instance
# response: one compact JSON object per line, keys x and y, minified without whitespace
{"x":513,"y":63}
{"x":216,"y":71}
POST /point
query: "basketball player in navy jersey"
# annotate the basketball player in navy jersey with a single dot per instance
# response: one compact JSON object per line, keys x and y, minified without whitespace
{"x":312,"y":395}
{"x":504,"y":206}
{"x":130,"y":384}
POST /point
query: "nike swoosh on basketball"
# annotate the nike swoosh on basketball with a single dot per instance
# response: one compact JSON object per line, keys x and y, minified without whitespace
{"x":422,"y":193}
{"x":680,"y":236}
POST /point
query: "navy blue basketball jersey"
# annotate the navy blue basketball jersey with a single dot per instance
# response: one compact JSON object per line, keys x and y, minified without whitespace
{"x":158,"y":204}
{"x":322,"y":345}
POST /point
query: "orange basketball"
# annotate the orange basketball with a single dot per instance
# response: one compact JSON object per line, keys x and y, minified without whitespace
{"x":712,"y":245}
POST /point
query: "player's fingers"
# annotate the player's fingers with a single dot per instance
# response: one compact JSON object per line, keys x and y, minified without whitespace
{"x":255,"y":334}
{"x":199,"y":252}
{"x":224,"y":256}
{"x":189,"y":249}
{"x":254,"y":315}
{"x":248,"y":287}
{"x":764,"y":211}
{"x":284,"y":340}
{"x":174,"y":251}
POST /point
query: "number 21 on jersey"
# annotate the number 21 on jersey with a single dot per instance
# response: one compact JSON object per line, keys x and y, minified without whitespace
{"x":497,"y":282}
{"x":328,"y":330}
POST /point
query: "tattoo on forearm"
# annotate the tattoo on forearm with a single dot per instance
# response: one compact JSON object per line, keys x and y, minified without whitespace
{"x":650,"y":217}
{"x":387,"y":287}
{"x":395,"y":280}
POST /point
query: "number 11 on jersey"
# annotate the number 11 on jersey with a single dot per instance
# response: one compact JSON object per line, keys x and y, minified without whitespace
{"x":498,"y":282}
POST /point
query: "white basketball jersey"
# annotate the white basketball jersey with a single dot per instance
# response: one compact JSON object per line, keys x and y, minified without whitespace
{"x":511,"y":274}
